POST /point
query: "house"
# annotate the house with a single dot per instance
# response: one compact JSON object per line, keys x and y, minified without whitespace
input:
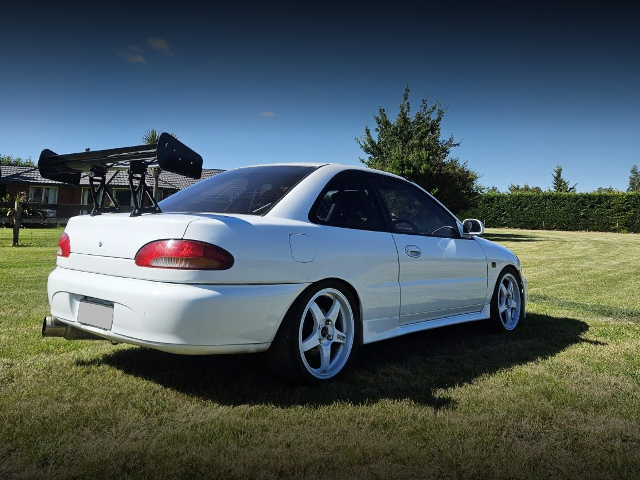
{"x":62,"y":200}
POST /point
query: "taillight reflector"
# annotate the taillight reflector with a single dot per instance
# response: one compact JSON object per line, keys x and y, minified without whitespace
{"x":183,"y":255}
{"x":64,"y":246}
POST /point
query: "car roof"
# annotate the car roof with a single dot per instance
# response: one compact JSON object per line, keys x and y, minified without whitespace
{"x":335,"y":167}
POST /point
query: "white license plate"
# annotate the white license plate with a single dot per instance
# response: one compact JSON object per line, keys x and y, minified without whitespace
{"x":96,"y":315}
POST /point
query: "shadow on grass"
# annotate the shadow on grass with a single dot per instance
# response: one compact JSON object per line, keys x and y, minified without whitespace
{"x":510,"y":237}
{"x":412,"y":367}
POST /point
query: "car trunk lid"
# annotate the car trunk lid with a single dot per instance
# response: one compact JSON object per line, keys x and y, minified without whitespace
{"x":121,"y":236}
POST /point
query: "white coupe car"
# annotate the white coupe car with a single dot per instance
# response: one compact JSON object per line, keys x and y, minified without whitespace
{"x":303,"y":261}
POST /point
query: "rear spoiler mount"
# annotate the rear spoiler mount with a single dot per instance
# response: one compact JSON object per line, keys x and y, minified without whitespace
{"x":169,"y":154}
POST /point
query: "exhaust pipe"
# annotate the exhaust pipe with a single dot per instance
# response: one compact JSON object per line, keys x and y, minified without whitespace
{"x":52,"y":327}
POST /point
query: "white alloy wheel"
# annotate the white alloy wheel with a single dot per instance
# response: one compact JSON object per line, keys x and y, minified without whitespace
{"x":326,"y":333}
{"x":318,"y":336}
{"x":506,"y":305}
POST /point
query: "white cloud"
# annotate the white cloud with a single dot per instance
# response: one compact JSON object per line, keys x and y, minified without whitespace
{"x":133,"y":54}
{"x":267,"y":114}
{"x":159,"y":45}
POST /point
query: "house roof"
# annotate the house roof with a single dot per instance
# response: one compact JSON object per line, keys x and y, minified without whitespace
{"x":11,"y":175}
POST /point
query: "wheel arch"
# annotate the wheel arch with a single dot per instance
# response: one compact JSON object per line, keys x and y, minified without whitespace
{"x":517,"y":273}
{"x":493,"y":322}
{"x":285,"y":356}
{"x":523,"y":289}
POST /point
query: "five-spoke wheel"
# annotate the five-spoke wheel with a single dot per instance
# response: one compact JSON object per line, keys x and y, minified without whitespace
{"x":318,"y":337}
{"x":325,"y":334}
{"x":506,"y":304}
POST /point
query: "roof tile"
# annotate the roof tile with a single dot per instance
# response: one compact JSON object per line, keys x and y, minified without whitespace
{"x":13,"y":175}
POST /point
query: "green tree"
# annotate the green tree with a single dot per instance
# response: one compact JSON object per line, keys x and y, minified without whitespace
{"x":150,"y":137}
{"x":411,"y":146}
{"x":526,"y":189}
{"x":560,"y":184}
{"x":634,"y":180}
{"x":15,"y":161}
{"x":608,"y":189}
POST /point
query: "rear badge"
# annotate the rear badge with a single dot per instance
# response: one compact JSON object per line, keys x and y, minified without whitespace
{"x":99,"y":244}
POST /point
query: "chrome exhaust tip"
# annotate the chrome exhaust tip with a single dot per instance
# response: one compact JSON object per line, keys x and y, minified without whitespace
{"x":52,"y":327}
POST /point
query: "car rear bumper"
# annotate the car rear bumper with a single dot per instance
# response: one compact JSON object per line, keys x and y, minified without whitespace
{"x":177,"y":318}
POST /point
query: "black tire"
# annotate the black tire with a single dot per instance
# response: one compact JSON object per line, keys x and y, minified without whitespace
{"x":318,"y":337}
{"x":506,"y":302}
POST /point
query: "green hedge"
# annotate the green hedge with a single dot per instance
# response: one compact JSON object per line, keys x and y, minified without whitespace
{"x":602,"y":212}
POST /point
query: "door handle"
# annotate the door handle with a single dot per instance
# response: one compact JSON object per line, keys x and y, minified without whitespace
{"x":413,"y":251}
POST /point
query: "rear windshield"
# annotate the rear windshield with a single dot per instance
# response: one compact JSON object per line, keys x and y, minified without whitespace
{"x":252,"y":190}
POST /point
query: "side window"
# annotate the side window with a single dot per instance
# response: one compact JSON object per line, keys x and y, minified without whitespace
{"x":412,"y":211}
{"x":348,"y":202}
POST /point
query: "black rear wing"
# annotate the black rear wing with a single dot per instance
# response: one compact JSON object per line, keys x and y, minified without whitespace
{"x":169,"y":154}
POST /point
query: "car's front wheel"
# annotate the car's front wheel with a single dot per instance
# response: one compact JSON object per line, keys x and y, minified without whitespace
{"x":506,"y":303}
{"x":318,"y":336}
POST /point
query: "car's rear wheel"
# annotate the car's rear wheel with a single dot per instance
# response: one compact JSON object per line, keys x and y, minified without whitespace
{"x":506,"y":303}
{"x":317,"y":338}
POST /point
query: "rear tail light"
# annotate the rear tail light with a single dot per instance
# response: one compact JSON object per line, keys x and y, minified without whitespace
{"x":183,"y":255}
{"x":64,"y":246}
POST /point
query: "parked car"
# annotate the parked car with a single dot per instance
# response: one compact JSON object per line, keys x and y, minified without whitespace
{"x":303,"y":261}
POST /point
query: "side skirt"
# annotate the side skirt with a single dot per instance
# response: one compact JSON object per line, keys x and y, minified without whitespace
{"x":371,"y":335}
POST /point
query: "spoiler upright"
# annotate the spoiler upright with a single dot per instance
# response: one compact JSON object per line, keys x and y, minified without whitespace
{"x":169,"y":154}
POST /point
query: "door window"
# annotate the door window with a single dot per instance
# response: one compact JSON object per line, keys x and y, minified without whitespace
{"x":411,"y":211}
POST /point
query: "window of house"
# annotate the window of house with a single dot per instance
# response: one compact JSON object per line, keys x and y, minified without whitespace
{"x":123,"y":196}
{"x":86,"y":197}
{"x":44,"y":194}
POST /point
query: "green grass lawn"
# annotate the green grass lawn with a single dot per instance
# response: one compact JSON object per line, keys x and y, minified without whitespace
{"x":557,"y":398}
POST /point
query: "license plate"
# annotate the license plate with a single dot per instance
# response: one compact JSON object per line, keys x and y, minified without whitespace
{"x":96,"y":314}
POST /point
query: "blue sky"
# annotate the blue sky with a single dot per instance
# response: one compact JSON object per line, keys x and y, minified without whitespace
{"x":527,"y":87}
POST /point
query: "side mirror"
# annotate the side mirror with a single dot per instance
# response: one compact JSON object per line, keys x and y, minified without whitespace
{"x":472,"y":227}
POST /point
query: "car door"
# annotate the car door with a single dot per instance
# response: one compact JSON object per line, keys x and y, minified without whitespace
{"x":355,"y":244}
{"x":441,"y":274}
